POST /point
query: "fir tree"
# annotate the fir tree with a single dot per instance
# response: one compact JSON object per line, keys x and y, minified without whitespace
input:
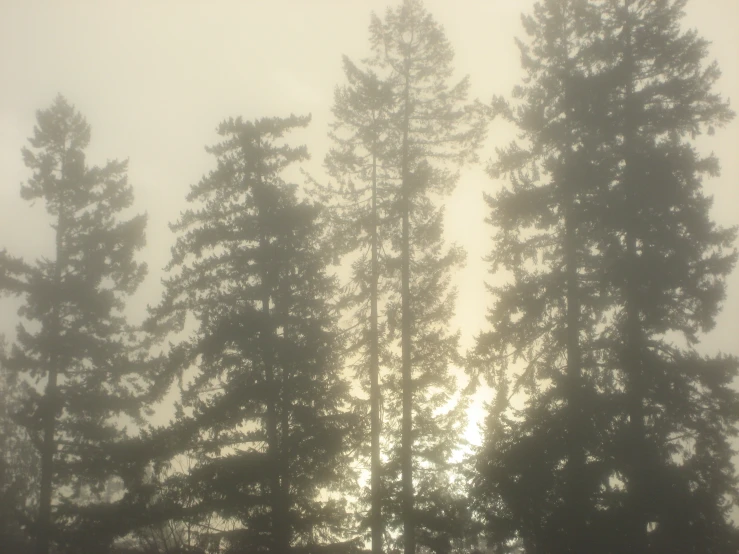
{"x":666,"y":262}
{"x":609,"y":450}
{"x":73,"y":338}
{"x":406,"y":119}
{"x":362,"y":214}
{"x":263,"y":405}
{"x":540,"y":469}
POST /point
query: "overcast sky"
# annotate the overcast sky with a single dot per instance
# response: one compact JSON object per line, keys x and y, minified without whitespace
{"x":154,"y":78}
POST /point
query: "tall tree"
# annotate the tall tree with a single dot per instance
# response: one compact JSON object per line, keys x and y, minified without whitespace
{"x":420,"y":121}
{"x":362,"y":214}
{"x":617,"y":457}
{"x":73,"y":336}
{"x":667,"y":263}
{"x":263,"y":406}
{"x":18,"y":464}
{"x":539,"y":471}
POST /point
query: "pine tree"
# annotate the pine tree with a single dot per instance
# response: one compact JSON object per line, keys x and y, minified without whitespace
{"x":666,"y":266}
{"x":263,"y":405}
{"x":73,"y":337}
{"x":609,"y":449}
{"x":362,"y":214}
{"x":399,"y":124}
{"x":540,"y":471}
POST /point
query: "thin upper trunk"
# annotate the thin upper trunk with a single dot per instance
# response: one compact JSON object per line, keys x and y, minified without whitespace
{"x":406,"y":451}
{"x":273,"y":454}
{"x":375,"y":425}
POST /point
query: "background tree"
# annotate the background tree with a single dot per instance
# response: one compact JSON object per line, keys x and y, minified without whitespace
{"x":18,"y":465}
{"x":73,"y":337}
{"x":398,"y":116}
{"x":362,"y":213}
{"x":263,"y":407}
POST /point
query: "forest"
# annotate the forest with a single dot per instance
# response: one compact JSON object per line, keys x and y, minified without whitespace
{"x":300,"y":385}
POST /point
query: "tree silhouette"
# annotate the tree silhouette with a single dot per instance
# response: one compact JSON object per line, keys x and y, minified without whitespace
{"x":361,"y":209}
{"x":611,"y":249}
{"x":665,"y":262}
{"x":535,"y":478}
{"x":263,"y":405}
{"x":73,"y":336}
{"x":397,"y":117}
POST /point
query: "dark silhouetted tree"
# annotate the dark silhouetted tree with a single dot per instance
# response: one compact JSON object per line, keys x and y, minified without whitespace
{"x":612,"y":253}
{"x":665,"y":263}
{"x":540,"y":471}
{"x":73,"y":340}
{"x":263,"y":404}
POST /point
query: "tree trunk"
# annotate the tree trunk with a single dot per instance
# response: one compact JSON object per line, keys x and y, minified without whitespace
{"x":576,"y":527}
{"x":375,"y":424}
{"x":577,"y":512}
{"x":285,"y":536}
{"x":273,"y":448}
{"x":406,"y":452}
{"x":632,"y":358}
{"x":50,"y":402}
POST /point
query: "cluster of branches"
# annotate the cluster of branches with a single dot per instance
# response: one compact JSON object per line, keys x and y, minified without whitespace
{"x":318,"y":408}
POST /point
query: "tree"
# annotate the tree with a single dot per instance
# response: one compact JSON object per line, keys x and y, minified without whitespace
{"x":399,"y":122}
{"x":667,"y":263}
{"x":612,"y":251}
{"x":361,"y":218}
{"x":73,"y":335}
{"x":540,"y":470}
{"x":262,"y":410}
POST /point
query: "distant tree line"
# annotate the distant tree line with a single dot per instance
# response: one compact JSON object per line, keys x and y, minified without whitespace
{"x":305,"y":334}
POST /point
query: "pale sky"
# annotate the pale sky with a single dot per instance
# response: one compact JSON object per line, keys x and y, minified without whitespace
{"x":154,"y":78}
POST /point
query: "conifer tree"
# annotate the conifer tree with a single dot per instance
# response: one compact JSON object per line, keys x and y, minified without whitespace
{"x":539,"y":472}
{"x":665,"y":262}
{"x":73,"y":340}
{"x":425,"y":124}
{"x":362,"y":210}
{"x":263,"y":404}
{"x":613,"y":454}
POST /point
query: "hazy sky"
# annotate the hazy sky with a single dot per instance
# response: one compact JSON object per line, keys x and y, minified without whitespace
{"x":154,"y":78}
